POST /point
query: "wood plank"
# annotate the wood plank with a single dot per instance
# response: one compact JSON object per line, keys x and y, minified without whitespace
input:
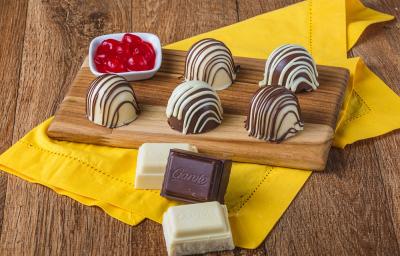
{"x":179,"y":19}
{"x":12,"y":28}
{"x":384,"y":60}
{"x":346,"y":208}
{"x":36,"y":220}
{"x":251,"y":8}
{"x":230,"y":139}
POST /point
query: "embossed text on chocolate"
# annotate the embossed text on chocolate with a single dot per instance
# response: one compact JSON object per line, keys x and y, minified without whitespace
{"x":184,"y":175}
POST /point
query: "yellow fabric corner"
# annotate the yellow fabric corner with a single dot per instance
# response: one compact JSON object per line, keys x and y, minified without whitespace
{"x":372,"y":109}
{"x":359,"y":18}
{"x":104,"y":176}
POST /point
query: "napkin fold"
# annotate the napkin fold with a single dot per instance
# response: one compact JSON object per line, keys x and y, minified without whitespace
{"x":104,"y":176}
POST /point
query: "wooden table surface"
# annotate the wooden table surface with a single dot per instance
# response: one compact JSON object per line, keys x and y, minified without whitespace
{"x":352,"y":208}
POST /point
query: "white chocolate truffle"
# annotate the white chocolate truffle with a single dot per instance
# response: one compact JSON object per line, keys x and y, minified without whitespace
{"x":211,"y":61}
{"x":194,"y":107}
{"x":274,"y":114}
{"x":111,"y":102}
{"x":291,"y":66}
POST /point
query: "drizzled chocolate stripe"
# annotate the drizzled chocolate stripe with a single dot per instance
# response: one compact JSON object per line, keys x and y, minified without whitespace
{"x":291,"y":66}
{"x":206,"y":60}
{"x":194,"y":107}
{"x":274,"y":114}
{"x":111,"y":101}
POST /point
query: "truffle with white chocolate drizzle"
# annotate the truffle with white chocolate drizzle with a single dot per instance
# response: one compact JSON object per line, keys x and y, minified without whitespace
{"x":274,"y":114}
{"x":194,"y":107}
{"x":111,"y":102}
{"x":291,"y":66}
{"x":211,"y":61}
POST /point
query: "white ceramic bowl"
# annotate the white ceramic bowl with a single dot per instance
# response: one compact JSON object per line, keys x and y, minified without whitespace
{"x":131,"y":75}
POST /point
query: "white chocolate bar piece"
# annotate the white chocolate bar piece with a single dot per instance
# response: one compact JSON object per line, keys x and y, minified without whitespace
{"x":197,"y":228}
{"x":151,"y":163}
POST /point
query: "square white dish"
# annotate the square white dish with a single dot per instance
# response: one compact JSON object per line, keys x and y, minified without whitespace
{"x":130,"y":75}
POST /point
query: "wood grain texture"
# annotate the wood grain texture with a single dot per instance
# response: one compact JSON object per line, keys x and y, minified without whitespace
{"x":12,"y":28}
{"x":353,"y":209}
{"x":230,"y":140}
{"x":384,"y":40}
{"x":251,"y":8}
{"x":56,"y":42}
{"x":179,"y":19}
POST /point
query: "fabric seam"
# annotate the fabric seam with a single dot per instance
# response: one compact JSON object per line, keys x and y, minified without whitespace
{"x":347,"y":121}
{"x":97,"y":170}
{"x":266,"y":175}
{"x":82,"y":162}
{"x":310,"y":22}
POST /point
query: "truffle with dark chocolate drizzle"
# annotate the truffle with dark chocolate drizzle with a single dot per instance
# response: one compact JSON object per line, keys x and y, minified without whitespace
{"x":274,"y":114}
{"x":111,"y":102}
{"x":194,"y":107}
{"x":291,"y":66}
{"x":211,"y":61}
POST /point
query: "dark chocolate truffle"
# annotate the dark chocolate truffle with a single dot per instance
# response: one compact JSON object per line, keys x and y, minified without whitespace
{"x":194,"y":107}
{"x":291,"y":66}
{"x":111,"y":102}
{"x":211,"y":61}
{"x":274,"y":114}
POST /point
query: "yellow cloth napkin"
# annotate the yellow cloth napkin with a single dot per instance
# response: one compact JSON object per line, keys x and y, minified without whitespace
{"x":104,"y":176}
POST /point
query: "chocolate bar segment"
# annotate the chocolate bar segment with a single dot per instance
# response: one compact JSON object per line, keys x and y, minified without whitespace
{"x":197,"y":228}
{"x":193,"y":177}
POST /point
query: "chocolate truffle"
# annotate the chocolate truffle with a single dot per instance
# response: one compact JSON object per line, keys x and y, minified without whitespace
{"x":194,"y":107}
{"x":111,"y":102}
{"x":274,"y":114}
{"x":291,"y":66}
{"x":209,"y":60}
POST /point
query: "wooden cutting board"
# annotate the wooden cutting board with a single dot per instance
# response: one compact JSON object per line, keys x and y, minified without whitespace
{"x":308,"y":150}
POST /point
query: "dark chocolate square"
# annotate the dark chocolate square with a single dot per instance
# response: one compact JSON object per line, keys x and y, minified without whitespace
{"x":193,"y":177}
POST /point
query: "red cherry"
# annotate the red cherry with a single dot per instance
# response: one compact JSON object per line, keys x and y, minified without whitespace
{"x":99,"y":61}
{"x":123,"y":49}
{"x":108,"y":46}
{"x":137,"y":63}
{"x":131,"y":39}
{"x":147,"y":50}
{"x":123,"y":59}
{"x":149,"y":47}
{"x":115,"y":65}
{"x":135,"y":49}
{"x":100,"y":68}
{"x":100,"y":58}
